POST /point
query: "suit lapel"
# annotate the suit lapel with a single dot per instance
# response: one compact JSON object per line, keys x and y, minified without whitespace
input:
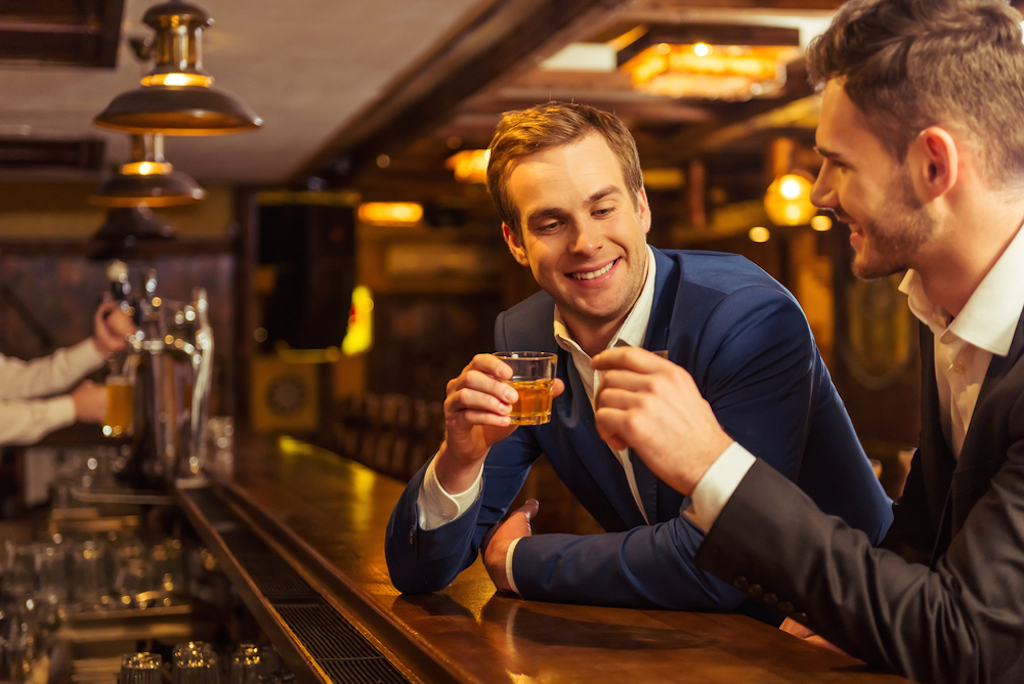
{"x":937,"y":468}
{"x":666,"y":277}
{"x":577,"y":417}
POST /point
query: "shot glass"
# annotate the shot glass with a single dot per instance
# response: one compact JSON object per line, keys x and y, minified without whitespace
{"x":533,"y":378}
{"x":140,"y":668}
{"x":195,"y":662}
{"x":249,"y":662}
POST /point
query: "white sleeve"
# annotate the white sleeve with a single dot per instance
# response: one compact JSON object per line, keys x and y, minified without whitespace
{"x":718,"y":484}
{"x":26,"y":422}
{"x":48,"y":375}
{"x":437,"y":506}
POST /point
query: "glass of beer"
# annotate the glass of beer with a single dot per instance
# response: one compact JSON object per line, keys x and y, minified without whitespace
{"x":120,"y":405}
{"x":533,"y":377}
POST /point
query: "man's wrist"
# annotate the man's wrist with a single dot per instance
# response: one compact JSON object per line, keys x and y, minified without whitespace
{"x":453,"y":474}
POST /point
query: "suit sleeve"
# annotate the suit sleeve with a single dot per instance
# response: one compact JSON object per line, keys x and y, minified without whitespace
{"x":756,"y":358}
{"x":961,"y":622}
{"x":420,"y":560}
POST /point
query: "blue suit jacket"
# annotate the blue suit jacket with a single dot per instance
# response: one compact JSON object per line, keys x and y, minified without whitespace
{"x":745,"y":341}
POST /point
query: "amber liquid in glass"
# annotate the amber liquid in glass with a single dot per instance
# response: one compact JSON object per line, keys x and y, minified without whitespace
{"x":120,"y":407}
{"x":534,"y":404}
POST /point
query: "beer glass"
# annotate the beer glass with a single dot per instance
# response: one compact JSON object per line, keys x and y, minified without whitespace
{"x":533,"y":378}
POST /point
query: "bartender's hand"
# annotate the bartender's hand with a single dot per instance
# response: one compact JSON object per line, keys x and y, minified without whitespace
{"x":111,"y":328}
{"x":501,"y":536}
{"x":476,"y":415}
{"x":90,"y":402}
{"x":652,"y":405}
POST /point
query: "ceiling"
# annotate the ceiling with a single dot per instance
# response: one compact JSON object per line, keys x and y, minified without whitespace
{"x":340,"y":84}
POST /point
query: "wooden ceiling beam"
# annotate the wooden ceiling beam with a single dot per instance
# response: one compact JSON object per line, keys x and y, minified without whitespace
{"x":486,"y":48}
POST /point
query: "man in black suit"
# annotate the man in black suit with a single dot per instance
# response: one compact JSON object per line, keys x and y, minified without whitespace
{"x":922,"y":134}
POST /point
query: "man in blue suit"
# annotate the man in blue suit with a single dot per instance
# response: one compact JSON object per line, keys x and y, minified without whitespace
{"x":567,"y":183}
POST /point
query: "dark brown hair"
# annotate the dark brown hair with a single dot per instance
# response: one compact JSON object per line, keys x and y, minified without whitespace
{"x":552,"y":124}
{"x":911,"y":64}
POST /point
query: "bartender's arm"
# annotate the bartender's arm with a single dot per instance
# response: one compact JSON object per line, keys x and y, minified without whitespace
{"x":25,"y":418}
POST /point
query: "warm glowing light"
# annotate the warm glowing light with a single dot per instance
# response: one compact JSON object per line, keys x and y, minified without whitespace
{"x":359,"y":337}
{"x":821,"y":223}
{"x":157,"y":301}
{"x":146,"y":168}
{"x":701,"y":70}
{"x":790,"y":187}
{"x":470,"y":166}
{"x":669,"y":178}
{"x":390,"y":213}
{"x":759,"y":234}
{"x":177,"y":79}
{"x":788,"y":201}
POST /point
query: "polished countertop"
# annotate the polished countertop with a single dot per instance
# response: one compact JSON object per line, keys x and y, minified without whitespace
{"x":331,"y":513}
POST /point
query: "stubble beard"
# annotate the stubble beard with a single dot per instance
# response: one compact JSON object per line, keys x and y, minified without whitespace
{"x":893,"y":241}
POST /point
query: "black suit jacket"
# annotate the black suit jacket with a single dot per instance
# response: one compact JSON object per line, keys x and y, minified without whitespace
{"x":943,"y":599}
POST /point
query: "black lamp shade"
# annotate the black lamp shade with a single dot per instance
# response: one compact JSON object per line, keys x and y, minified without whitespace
{"x":127,"y":232}
{"x":157,"y":190}
{"x":178,"y":110}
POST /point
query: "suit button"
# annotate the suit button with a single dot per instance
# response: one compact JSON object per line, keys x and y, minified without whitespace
{"x":741,"y":583}
{"x":770,"y":600}
{"x":755,"y":591}
{"x":785,"y":607}
{"x":799,"y":617}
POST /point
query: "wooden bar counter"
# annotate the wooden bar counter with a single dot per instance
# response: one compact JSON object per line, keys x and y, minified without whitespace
{"x":326,"y":517}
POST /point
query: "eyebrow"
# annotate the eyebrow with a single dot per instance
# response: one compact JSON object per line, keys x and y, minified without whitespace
{"x":558,"y":211}
{"x":827,"y":153}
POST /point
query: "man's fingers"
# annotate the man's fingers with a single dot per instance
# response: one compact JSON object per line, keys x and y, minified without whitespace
{"x":629,"y":358}
{"x":529,"y":509}
{"x":611,"y":423}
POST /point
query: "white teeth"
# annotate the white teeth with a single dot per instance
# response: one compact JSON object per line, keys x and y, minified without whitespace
{"x":594,"y":274}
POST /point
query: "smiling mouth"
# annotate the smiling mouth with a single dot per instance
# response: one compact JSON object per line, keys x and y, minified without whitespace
{"x":590,"y":275}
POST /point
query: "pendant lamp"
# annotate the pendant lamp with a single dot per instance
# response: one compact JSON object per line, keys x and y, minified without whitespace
{"x":128,"y":232}
{"x":177,"y":97}
{"x":147,"y":179}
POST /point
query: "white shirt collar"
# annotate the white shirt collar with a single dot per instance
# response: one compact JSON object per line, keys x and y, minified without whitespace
{"x":989,"y":319}
{"x":633,"y":330}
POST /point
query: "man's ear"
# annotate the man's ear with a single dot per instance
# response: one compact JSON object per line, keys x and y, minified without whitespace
{"x":515,"y":245}
{"x":935,"y":161}
{"x":644,"y":209}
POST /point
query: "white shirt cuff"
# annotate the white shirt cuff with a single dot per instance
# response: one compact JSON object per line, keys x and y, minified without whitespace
{"x":508,"y":565}
{"x":717,"y":486}
{"x":438,"y":507}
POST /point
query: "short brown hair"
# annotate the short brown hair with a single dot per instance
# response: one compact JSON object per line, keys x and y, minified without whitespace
{"x":552,"y":124}
{"x":911,"y":64}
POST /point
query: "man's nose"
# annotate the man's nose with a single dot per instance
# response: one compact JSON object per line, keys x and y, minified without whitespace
{"x":823,"y":195}
{"x":586,"y":239}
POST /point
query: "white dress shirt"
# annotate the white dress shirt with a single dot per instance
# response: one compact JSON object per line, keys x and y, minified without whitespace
{"x":437,"y":506}
{"x":963,"y":348}
{"x":23,"y":419}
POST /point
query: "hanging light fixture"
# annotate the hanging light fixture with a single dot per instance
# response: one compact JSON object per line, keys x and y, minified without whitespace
{"x":177,"y":97}
{"x":147,"y":179}
{"x":128,"y":232}
{"x":720,"y":62}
